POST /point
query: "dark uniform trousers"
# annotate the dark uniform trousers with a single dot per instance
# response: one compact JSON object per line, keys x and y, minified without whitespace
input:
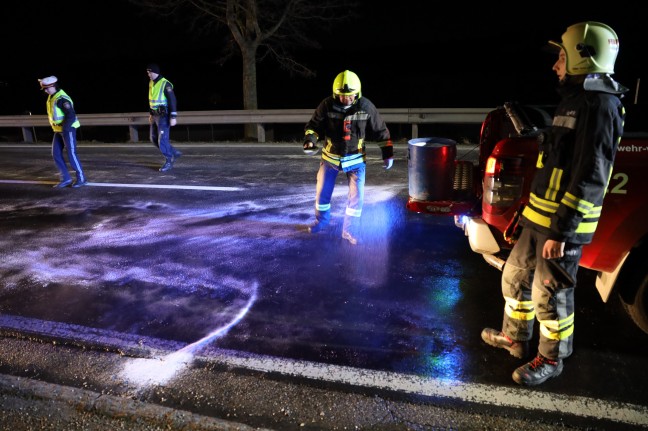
{"x":160,"y":128}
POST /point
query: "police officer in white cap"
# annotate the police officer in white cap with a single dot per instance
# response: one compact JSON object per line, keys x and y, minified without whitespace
{"x":64,"y":122}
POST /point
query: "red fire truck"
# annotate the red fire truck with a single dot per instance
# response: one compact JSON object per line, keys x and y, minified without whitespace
{"x":485,"y":197}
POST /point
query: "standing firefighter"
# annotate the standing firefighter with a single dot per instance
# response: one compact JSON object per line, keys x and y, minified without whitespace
{"x":573,"y":169}
{"x":343,"y":122}
{"x":64,"y":122}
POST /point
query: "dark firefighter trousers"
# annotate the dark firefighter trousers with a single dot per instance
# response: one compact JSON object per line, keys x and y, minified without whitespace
{"x":542,"y":289}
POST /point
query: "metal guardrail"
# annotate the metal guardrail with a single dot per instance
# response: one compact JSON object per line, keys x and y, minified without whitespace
{"x":261,"y":117}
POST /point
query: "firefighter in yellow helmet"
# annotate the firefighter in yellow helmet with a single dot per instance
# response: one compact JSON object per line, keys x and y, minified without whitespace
{"x":573,"y":168}
{"x":343,"y":122}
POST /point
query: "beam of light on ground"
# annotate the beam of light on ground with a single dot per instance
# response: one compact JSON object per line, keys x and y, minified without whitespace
{"x":145,"y":372}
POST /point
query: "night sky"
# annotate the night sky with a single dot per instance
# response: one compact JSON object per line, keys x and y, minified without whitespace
{"x":413,"y":54}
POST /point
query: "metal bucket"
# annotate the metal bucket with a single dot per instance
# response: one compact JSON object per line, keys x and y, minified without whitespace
{"x":431,"y":165}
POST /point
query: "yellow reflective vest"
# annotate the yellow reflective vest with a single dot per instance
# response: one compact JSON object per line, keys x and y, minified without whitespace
{"x":56,"y":114}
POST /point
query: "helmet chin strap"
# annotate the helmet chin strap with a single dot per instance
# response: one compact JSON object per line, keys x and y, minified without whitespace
{"x":345,"y":107}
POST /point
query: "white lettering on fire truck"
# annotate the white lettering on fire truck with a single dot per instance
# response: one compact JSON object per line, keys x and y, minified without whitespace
{"x":632,"y":148}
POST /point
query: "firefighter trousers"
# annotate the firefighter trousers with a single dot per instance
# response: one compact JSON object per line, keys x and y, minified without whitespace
{"x":540,"y":289}
{"x":326,"y":178}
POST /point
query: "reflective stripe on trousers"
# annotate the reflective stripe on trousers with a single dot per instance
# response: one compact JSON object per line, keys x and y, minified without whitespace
{"x":326,"y":177}
{"x":66,"y":141}
{"x":540,"y":289}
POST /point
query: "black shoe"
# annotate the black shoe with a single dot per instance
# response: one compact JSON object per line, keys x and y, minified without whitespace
{"x":80,"y":183}
{"x":537,"y":371}
{"x":63,"y":184}
{"x":166,"y":166}
{"x":316,"y":227}
{"x":496,"y":338}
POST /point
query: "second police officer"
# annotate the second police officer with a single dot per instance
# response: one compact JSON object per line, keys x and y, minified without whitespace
{"x":163,"y":115}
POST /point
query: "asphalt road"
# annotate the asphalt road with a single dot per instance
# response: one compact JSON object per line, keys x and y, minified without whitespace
{"x":194,"y":299}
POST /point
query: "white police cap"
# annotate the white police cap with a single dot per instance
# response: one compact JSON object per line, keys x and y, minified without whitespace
{"x":48,"y":82}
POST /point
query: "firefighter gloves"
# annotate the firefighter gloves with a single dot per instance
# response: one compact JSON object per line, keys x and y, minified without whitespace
{"x":310,"y":149}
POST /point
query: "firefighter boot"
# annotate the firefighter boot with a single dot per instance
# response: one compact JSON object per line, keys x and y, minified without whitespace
{"x":496,"y":338}
{"x":316,"y":227}
{"x":353,"y":240}
{"x":538,"y":371}
{"x":350,"y":229}
{"x":322,"y":219}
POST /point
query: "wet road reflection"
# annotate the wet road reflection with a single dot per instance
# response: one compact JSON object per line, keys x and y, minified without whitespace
{"x":227,"y":266}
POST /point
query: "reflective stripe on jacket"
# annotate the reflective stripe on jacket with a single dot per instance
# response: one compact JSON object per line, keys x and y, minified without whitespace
{"x":346,"y":130}
{"x":575,"y":165}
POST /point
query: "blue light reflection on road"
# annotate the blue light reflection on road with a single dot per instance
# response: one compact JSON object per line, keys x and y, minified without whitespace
{"x":443,"y":295}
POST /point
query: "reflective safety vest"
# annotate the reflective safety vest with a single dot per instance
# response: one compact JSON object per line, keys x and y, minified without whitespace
{"x":55,"y":114}
{"x":157,"y":97}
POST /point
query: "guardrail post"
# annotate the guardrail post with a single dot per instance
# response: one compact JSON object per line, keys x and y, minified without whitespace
{"x":414,"y":130}
{"x":28,"y":135}
{"x":134,"y":135}
{"x":261,"y":136}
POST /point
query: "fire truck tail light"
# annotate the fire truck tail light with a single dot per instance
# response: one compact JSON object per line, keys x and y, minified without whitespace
{"x":503,"y":181}
{"x":491,"y":165}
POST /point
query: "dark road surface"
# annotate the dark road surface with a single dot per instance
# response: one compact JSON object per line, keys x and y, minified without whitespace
{"x":195,"y":299}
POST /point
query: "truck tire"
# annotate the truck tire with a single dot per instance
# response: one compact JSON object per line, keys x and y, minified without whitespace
{"x":634,"y":297}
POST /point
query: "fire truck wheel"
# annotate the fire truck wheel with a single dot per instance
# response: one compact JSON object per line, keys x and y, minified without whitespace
{"x":635,"y":302}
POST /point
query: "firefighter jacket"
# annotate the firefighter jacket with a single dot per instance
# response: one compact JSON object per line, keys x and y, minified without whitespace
{"x":576,"y":158}
{"x":162,"y":99}
{"x":60,"y":112}
{"x":345,"y":129}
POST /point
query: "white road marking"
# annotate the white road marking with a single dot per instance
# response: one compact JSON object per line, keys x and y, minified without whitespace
{"x":461,"y":391}
{"x":142,"y":186}
{"x":514,"y":397}
{"x":167,"y":186}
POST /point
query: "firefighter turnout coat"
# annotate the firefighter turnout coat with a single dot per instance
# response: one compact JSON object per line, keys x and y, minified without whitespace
{"x":575,"y":162}
{"x":345,"y":131}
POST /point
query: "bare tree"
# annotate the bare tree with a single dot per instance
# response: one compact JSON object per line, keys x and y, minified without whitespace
{"x":257,"y":29}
